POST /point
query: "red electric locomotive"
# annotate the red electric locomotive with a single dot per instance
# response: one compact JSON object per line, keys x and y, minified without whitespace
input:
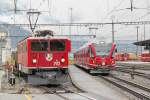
{"x":96,"y":57}
{"x":44,"y":59}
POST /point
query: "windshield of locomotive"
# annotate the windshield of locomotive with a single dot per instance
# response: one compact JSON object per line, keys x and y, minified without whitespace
{"x":39,"y":46}
{"x":102,"y":50}
{"x":57,"y":45}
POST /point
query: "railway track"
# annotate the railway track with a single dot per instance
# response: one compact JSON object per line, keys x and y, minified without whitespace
{"x":138,"y":91}
{"x":64,"y":90}
{"x":147,"y":76}
{"x":131,"y":67}
{"x":48,"y":90}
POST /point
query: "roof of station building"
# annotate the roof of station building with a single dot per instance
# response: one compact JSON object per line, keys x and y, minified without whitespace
{"x":142,"y":43}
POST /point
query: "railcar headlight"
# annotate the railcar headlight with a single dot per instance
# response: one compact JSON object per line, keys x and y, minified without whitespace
{"x":62,"y":60}
{"x":113,"y":62}
{"x":34,"y":61}
{"x":93,"y":61}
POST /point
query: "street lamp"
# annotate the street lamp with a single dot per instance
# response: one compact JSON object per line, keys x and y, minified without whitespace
{"x":137,"y":38}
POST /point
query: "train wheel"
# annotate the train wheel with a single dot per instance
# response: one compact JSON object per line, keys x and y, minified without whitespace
{"x":88,"y":70}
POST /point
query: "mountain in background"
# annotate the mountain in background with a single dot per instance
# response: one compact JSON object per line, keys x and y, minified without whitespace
{"x":14,"y":34}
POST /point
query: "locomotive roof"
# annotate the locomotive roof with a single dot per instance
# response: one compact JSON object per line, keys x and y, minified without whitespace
{"x":55,"y":37}
{"x":44,"y":33}
{"x":44,"y":38}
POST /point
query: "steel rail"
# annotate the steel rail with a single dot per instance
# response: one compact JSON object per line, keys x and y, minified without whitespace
{"x":131,"y":67}
{"x":52,"y":92}
{"x":80,"y":94}
{"x":136,"y":94}
{"x":135,"y":73}
{"x":63,"y":97}
{"x":133,"y":84}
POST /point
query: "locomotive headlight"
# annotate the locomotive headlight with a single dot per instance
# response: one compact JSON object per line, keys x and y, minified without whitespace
{"x":34,"y":61}
{"x":103,"y":63}
{"x":62,"y":60}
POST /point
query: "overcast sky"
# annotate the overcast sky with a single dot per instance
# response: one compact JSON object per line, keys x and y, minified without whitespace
{"x":83,"y":11}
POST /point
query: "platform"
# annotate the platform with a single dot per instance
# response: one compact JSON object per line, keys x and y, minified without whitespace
{"x":70,"y":96}
{"x":29,"y":97}
{"x":87,"y":83}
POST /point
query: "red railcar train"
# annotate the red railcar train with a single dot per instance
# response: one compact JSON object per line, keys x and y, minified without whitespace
{"x":121,"y":57}
{"x":145,"y":57}
{"x":125,"y":56}
{"x":43,"y":57}
{"x":96,"y":57}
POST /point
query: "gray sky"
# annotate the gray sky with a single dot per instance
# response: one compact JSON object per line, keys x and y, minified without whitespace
{"x":83,"y":11}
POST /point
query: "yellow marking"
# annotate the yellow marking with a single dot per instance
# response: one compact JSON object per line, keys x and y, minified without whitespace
{"x":28,"y":97}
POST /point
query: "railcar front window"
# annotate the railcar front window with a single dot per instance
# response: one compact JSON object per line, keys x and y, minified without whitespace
{"x":103,"y":51}
{"x":57,"y":45}
{"x":39,"y":46}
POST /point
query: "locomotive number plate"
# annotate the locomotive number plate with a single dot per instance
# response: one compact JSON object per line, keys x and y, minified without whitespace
{"x":56,"y":63}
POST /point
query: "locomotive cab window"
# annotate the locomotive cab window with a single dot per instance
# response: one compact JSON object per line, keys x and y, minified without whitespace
{"x":39,"y":46}
{"x":90,"y":52}
{"x":57,"y":45}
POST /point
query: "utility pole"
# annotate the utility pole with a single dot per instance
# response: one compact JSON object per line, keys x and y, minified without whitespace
{"x":15,"y":9}
{"x":148,"y":6}
{"x":144,"y":31}
{"x":113,"y":37}
{"x":15,"y":6}
{"x":70,"y":22}
{"x":137,"y":35}
{"x":131,"y":1}
{"x":50,"y":7}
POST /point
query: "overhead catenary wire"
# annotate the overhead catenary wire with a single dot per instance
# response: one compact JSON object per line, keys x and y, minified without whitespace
{"x":132,"y":7}
{"x":115,"y":8}
{"x":40,"y":4}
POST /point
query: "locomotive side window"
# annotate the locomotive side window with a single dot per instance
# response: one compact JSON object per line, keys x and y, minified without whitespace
{"x":57,"y":45}
{"x":39,"y":46}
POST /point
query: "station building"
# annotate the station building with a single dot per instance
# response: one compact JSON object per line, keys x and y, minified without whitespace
{"x":145,"y":44}
{"x":126,"y":46}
